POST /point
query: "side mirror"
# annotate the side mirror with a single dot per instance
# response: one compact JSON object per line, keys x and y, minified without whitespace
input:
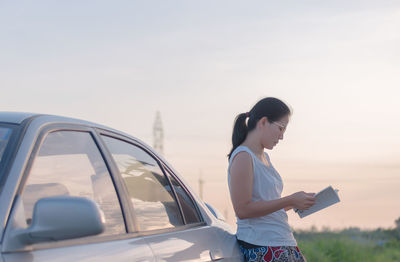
{"x":59,"y":218}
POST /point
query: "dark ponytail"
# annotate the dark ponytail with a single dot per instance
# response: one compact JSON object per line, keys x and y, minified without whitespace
{"x":273,"y":108}
{"x":239,"y":131}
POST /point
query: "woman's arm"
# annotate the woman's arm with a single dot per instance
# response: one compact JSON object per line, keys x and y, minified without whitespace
{"x":241,"y":183}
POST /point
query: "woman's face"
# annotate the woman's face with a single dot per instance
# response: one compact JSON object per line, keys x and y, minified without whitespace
{"x":272,"y":132}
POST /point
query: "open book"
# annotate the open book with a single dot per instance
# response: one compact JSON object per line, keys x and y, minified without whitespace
{"x":323,"y":199}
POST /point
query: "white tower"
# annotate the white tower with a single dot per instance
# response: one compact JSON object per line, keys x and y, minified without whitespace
{"x":201,"y":185}
{"x":158,"y":134}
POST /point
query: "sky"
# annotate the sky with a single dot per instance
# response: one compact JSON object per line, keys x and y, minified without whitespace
{"x":200,"y":63}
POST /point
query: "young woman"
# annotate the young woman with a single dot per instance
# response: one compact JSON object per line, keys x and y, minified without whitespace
{"x":263,"y":231}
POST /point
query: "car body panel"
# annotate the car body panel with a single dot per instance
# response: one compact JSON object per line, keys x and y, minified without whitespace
{"x":197,"y":244}
{"x":120,"y":250}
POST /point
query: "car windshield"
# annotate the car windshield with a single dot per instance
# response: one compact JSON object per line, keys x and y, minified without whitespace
{"x":5,"y":134}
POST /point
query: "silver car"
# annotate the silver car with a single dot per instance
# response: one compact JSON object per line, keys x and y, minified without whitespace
{"x":72,"y":190}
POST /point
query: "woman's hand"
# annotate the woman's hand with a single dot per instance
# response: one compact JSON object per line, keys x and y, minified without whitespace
{"x":288,"y":208}
{"x":302,"y":200}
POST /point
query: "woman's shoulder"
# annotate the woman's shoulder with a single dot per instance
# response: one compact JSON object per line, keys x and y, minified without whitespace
{"x":240,"y":163}
{"x":242,"y":152}
{"x":240,"y":149}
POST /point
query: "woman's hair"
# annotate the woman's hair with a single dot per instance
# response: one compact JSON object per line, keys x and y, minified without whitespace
{"x":273,"y":108}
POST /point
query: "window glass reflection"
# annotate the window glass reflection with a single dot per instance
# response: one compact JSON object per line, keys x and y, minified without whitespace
{"x":5,"y":134}
{"x":69,"y":164}
{"x":149,"y":190}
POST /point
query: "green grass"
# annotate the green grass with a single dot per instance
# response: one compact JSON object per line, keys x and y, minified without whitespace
{"x":350,"y":246}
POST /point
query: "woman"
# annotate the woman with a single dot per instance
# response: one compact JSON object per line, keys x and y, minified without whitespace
{"x":263,"y":231}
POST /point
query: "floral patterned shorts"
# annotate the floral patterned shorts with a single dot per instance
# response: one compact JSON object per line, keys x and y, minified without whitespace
{"x":272,"y":254}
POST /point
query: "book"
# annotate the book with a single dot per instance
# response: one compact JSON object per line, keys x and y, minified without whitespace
{"x":323,"y":199}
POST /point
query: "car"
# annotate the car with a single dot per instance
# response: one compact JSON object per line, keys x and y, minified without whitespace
{"x":72,"y":190}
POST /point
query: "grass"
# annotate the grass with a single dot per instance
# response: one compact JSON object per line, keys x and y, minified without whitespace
{"x":351,"y":245}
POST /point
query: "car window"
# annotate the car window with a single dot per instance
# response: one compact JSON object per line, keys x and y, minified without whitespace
{"x":151,"y":196}
{"x":188,"y":207}
{"x":5,"y":134}
{"x":69,"y":163}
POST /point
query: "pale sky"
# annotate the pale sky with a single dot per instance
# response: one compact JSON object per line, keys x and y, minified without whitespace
{"x":200,"y":63}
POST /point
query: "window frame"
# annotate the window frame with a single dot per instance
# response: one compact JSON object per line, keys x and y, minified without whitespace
{"x":12,"y":147}
{"x":25,"y":176}
{"x":166,"y":172}
{"x":10,"y":143}
{"x":185,"y":189}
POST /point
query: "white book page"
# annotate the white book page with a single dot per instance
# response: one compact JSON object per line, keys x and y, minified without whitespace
{"x":323,"y":199}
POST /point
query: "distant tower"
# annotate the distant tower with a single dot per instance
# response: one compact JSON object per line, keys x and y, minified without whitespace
{"x":158,"y":134}
{"x":201,"y":185}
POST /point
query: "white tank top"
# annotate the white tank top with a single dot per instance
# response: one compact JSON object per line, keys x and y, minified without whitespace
{"x":272,"y":229}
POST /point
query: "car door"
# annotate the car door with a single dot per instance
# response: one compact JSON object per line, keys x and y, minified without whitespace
{"x":214,"y":240}
{"x":68,"y":162}
{"x":164,"y":211}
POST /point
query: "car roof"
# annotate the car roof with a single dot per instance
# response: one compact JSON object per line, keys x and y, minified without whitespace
{"x":43,"y":119}
{"x":15,"y":117}
{"x":19,"y":117}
